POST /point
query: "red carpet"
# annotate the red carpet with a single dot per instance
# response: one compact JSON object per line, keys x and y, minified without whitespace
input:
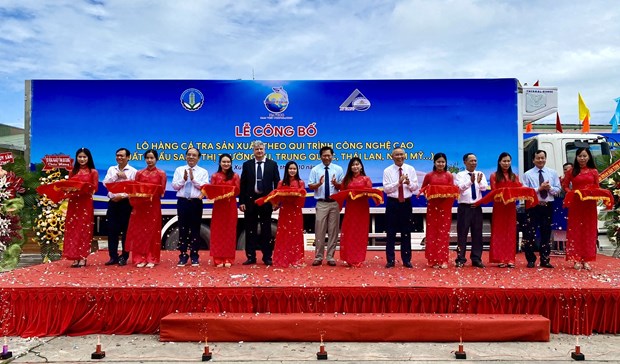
{"x":357,"y":327}
{"x":53,"y":299}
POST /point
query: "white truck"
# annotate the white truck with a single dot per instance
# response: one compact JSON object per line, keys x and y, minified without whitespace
{"x":364,"y":118}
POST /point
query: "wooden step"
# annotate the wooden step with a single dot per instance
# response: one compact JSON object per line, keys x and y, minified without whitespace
{"x":295,"y":327}
{"x":30,"y":246}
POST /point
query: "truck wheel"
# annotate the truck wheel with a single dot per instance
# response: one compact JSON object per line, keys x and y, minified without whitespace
{"x":241,"y":240}
{"x":171,"y":239}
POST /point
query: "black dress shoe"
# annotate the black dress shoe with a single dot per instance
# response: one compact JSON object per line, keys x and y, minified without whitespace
{"x":331,"y":263}
{"x":389,"y":265}
{"x":316,"y":263}
{"x":531,"y":264}
{"x":546,"y":265}
{"x":407,"y":265}
{"x":460,"y":265}
{"x":111,"y":262}
{"x":478,"y":264}
{"x":268,"y":261}
{"x":249,"y":262}
{"x":122,"y":261}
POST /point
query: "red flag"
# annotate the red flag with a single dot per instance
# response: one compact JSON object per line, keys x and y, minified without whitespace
{"x":536,"y":83}
{"x":528,"y":128}
{"x":558,"y":124}
{"x":586,"y":124}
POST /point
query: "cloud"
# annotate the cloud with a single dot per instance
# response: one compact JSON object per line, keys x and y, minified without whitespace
{"x":572,"y":45}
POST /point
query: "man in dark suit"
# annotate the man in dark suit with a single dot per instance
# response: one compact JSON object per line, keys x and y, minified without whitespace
{"x":259,"y":176}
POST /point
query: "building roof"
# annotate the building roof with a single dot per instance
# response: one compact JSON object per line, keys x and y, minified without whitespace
{"x":12,"y":138}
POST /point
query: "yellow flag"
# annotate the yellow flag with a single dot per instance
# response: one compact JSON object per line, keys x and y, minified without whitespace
{"x":583,"y":109}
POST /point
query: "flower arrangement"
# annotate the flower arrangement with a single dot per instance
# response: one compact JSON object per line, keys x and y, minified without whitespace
{"x":49,"y":223}
{"x":10,"y":227}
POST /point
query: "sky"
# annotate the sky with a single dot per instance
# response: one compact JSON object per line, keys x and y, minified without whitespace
{"x":574,"y":45}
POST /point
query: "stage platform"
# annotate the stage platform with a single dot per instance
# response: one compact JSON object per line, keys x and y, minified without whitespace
{"x":53,"y":299}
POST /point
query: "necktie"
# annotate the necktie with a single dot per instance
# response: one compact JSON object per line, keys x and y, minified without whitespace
{"x":541,"y":180}
{"x":188,"y":186}
{"x":327,"y":192}
{"x":473,"y":189}
{"x":401,"y":189}
{"x":259,"y":178}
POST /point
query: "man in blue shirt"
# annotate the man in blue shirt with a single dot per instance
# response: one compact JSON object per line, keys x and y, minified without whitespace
{"x":323,"y":180}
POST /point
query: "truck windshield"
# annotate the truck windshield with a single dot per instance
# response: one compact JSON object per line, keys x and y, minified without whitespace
{"x":600,"y":152}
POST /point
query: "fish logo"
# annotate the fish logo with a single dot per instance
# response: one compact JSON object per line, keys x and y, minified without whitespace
{"x":277,"y":101}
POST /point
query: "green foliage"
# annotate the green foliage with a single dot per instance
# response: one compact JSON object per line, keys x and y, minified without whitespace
{"x":454,"y":168}
{"x":10,"y":257}
{"x":31,"y":182}
{"x":611,"y":217}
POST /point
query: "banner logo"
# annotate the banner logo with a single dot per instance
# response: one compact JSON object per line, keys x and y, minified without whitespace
{"x":355,"y":102}
{"x":277,"y":101}
{"x":192,"y":99}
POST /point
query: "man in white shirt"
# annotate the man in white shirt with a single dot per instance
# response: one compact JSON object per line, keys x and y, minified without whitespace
{"x":119,"y":209}
{"x":547,"y":185}
{"x":187,"y":181}
{"x":323,"y":180}
{"x":471,"y":183}
{"x":399,"y":183}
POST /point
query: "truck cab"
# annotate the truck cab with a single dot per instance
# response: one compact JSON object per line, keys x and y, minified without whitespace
{"x":561,"y":149}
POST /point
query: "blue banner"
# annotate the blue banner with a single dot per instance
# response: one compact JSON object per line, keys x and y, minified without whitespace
{"x":364,"y":118}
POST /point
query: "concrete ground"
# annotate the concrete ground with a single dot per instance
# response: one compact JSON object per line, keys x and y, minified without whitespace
{"x":148,"y":349}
